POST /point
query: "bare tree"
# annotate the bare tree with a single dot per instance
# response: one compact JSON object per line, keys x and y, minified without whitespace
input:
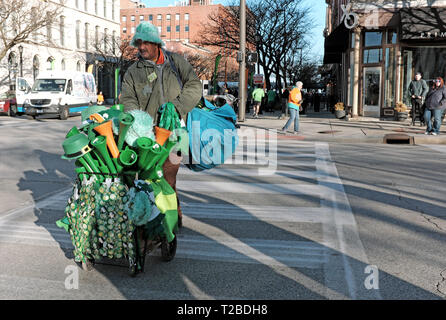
{"x":20,"y":19}
{"x":275,"y":28}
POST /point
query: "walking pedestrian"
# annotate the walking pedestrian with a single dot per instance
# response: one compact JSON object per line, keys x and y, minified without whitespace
{"x":153,"y":80}
{"x":100,"y":98}
{"x":435,"y":105}
{"x":257,"y":96}
{"x":284,"y":103}
{"x":417,"y":92}
{"x":294,"y":105}
{"x":271,"y":100}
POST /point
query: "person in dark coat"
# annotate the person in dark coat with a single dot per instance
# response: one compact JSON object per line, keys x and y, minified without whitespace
{"x":317,"y":102}
{"x":435,"y":105}
{"x":417,"y":92}
{"x":284,"y":102}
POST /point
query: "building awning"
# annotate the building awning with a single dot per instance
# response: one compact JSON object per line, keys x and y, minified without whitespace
{"x":335,"y":44}
{"x":423,"y":25}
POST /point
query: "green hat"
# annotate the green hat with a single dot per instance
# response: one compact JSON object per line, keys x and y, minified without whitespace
{"x":86,"y":113}
{"x":146,"y":32}
{"x":75,"y":146}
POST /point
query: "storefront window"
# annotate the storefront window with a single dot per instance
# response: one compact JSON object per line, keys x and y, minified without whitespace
{"x":373,"y":55}
{"x":372,"y":38}
{"x":351,"y":72}
{"x":391,"y":36}
{"x":389,"y":84}
{"x":431,"y":62}
{"x":407,"y":74}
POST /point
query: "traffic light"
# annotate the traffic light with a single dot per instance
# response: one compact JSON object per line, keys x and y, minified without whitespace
{"x":251,"y":57}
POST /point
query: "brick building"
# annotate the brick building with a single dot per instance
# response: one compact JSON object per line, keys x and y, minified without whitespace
{"x":180,"y":26}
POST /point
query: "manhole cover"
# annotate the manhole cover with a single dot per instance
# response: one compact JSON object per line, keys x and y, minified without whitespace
{"x":329,"y":131}
{"x":396,"y":138}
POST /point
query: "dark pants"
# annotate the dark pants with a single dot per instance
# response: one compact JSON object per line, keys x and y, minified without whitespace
{"x":170,"y":174}
{"x":417,"y":111}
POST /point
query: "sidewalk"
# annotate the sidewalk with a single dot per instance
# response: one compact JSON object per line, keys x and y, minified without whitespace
{"x":323,"y":126}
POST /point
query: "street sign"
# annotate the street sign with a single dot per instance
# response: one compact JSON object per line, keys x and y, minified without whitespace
{"x":251,"y":57}
{"x":257,"y":79}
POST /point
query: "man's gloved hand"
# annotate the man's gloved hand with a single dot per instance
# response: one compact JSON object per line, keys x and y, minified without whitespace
{"x":169,"y":117}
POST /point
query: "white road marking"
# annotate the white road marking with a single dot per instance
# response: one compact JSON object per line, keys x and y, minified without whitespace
{"x":49,"y":201}
{"x":436,"y":147}
{"x":341,"y":235}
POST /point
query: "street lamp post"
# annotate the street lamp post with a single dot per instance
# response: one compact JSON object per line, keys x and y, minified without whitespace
{"x":21,"y":60}
{"x":284,"y":42}
{"x":242,"y":54}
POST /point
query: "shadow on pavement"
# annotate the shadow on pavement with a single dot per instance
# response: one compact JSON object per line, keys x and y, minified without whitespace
{"x":185,"y":278}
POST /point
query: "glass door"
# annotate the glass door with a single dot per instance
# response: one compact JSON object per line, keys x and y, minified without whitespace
{"x":372,"y":92}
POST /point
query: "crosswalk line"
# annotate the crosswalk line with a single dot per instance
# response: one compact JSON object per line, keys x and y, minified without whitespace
{"x":251,"y":173}
{"x":269,"y":252}
{"x":234,"y":187}
{"x":254,"y":213}
{"x":303,"y":254}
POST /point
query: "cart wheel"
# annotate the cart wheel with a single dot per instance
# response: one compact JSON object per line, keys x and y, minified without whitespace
{"x":87,"y":266}
{"x":168,"y":250}
{"x":133,"y":270}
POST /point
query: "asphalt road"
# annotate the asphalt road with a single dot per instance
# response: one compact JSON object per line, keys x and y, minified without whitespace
{"x":324,"y":221}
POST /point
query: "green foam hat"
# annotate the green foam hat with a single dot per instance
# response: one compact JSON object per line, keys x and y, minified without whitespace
{"x":146,"y":31}
{"x":75,"y":146}
{"x":86,"y":113}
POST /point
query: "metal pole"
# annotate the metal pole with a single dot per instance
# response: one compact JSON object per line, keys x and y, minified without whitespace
{"x":242,"y":76}
{"x":284,"y":39}
{"x":21,"y":60}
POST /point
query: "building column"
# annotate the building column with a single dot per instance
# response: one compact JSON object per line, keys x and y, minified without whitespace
{"x":357,"y":32}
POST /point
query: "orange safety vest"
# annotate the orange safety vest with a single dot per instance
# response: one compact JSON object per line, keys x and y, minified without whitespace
{"x":295,"y":97}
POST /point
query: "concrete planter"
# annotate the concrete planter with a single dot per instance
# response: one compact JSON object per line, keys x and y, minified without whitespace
{"x":339,"y":114}
{"x":402,"y":116}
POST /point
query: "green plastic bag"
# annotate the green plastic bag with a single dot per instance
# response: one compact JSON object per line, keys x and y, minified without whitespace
{"x":166,"y":201}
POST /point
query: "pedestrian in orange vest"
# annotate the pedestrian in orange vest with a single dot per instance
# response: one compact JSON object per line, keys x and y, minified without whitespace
{"x":100,"y":98}
{"x":294,"y":104}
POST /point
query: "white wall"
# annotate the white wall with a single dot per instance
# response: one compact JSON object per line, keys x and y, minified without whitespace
{"x":69,"y":52}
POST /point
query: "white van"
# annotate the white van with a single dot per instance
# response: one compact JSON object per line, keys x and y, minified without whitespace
{"x":60,"y":92}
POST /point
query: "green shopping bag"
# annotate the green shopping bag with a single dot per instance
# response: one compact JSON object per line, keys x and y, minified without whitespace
{"x":166,"y":201}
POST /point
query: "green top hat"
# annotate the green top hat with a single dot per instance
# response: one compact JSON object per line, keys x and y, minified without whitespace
{"x":110,"y":113}
{"x":75,"y":146}
{"x":86,"y":113}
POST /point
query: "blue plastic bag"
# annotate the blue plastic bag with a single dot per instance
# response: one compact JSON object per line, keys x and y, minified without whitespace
{"x":212,"y":136}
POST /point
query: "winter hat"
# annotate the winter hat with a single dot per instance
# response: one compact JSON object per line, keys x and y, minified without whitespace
{"x":146,"y":31}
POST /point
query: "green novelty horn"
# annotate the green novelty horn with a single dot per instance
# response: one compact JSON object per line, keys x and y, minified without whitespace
{"x":100,"y":144}
{"x":144,"y":145}
{"x":154,"y":169}
{"x":152,"y":157}
{"x":125,"y":121}
{"x":72,"y":132}
{"x":76,"y":147}
{"x":166,"y":152}
{"x":128,"y":157}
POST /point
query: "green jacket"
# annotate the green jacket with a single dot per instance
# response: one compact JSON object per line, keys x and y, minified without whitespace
{"x":258,"y":94}
{"x":418,"y":88}
{"x":143,"y":90}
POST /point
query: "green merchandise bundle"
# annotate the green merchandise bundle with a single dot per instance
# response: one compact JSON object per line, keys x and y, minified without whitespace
{"x":120,"y":185}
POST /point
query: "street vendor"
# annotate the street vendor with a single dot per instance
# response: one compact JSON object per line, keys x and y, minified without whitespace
{"x":151,"y":82}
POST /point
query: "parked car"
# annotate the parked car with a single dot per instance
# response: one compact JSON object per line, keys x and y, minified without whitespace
{"x":7,"y":100}
{"x":61,"y":92}
{"x":11,"y":101}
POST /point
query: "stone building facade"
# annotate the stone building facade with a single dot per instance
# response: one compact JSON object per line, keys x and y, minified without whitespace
{"x":373,"y":51}
{"x":70,"y":45}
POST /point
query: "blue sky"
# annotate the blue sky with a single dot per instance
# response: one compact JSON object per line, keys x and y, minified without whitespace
{"x":317,"y":13}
